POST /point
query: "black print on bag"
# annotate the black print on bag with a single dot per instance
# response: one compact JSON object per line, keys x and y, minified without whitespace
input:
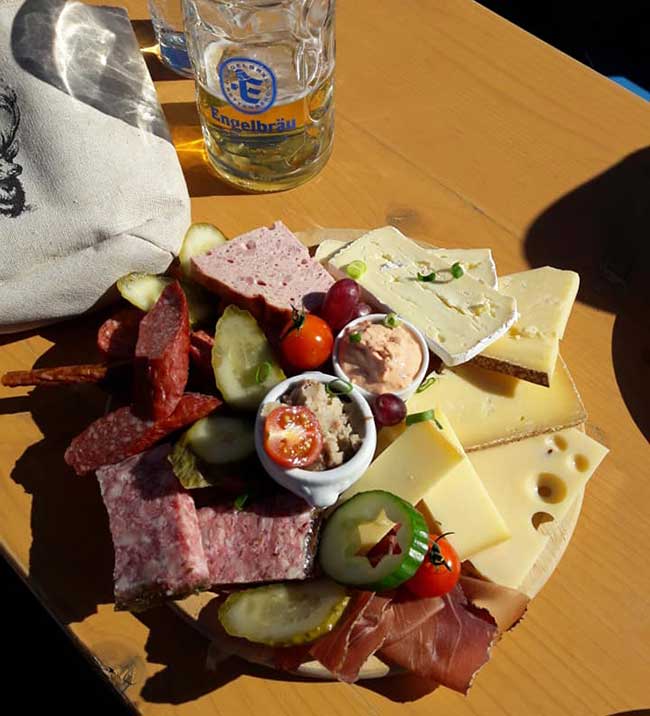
{"x":12,"y":195}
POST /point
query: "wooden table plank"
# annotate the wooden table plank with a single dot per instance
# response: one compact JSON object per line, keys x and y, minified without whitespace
{"x":461,"y":130}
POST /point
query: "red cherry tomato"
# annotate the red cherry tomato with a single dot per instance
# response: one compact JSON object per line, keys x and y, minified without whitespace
{"x":307,"y":342}
{"x":439,"y":572}
{"x":292,"y":436}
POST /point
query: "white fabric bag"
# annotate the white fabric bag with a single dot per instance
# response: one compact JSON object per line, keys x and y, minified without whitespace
{"x":90,"y":184}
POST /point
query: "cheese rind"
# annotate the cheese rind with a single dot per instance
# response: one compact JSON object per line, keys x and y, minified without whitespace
{"x":543,"y":474}
{"x":530,"y":348}
{"x":487,"y":408}
{"x":460,"y":504}
{"x":459,"y":317}
{"x":478,"y":263}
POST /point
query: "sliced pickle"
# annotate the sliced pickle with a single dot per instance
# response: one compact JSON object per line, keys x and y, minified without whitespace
{"x":199,"y":239}
{"x":142,"y":289}
{"x":240,"y":349}
{"x":284,"y":614}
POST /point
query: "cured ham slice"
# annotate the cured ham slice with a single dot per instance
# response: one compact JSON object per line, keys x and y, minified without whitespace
{"x":449,"y":647}
{"x":507,"y":606}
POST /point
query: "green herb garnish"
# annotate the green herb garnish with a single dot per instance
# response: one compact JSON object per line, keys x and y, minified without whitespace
{"x":338,"y":387}
{"x":457,"y":270}
{"x":241,"y":500}
{"x":355,"y":338}
{"x":426,"y":383}
{"x":423,"y":417}
{"x":391,"y":320}
{"x":262,"y":373}
{"x":427,"y":277}
{"x":356,"y":269}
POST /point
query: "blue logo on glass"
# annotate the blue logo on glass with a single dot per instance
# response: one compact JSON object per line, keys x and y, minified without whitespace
{"x":248,"y":85}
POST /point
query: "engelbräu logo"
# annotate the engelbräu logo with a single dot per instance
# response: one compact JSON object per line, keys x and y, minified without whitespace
{"x":248,"y":85}
{"x":254,"y":125}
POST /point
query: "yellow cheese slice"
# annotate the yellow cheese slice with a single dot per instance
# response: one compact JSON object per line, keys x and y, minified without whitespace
{"x":488,"y":408}
{"x":420,"y":458}
{"x":460,"y":504}
{"x":543,"y":474}
{"x":530,"y":348}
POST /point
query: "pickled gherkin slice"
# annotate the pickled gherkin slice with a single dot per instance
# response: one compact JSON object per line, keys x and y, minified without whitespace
{"x":199,"y":239}
{"x":285,"y":614}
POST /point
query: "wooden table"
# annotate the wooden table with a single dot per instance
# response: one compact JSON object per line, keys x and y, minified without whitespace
{"x":463,"y":130}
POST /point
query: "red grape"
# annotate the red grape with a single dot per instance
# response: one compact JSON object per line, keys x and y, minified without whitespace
{"x":340,"y":303}
{"x":389,"y":409}
{"x":363,"y":309}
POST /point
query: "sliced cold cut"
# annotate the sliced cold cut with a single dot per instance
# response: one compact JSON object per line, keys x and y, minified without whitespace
{"x":264,"y":542}
{"x":120,"y":434}
{"x":117,"y":336}
{"x":155,"y":531}
{"x":162,"y":355}
{"x":266,"y":272}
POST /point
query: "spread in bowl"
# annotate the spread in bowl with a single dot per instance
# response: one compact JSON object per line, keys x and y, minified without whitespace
{"x":381,"y":354}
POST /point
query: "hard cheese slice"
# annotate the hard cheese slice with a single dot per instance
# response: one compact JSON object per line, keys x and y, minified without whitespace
{"x":459,"y":317}
{"x":488,"y":408}
{"x":460,"y":504}
{"x":540,"y":474}
{"x":478,"y":263}
{"x":530,"y":348}
{"x":420,"y":458}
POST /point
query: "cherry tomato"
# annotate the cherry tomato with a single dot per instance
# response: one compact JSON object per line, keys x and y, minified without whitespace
{"x":439,"y":572}
{"x":307,"y":341}
{"x":292,"y":436}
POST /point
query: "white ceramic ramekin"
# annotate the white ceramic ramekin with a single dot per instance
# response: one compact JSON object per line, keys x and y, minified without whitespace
{"x":405,"y":393}
{"x":318,"y":488}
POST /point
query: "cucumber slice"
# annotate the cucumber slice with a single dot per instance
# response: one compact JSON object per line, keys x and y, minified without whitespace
{"x":142,"y":289}
{"x":188,"y":468}
{"x":201,"y":304}
{"x":240,"y":348}
{"x":219,"y":439}
{"x":341,"y":541}
{"x":284,"y":614}
{"x":199,"y":239}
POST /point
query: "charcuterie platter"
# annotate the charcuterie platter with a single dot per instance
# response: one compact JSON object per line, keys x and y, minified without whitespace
{"x":371,"y":463}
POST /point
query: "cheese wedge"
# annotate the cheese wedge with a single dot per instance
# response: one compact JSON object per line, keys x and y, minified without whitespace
{"x":530,"y":348}
{"x":487,"y":408}
{"x":421,"y":457}
{"x":478,"y":263}
{"x":543,"y":474}
{"x":460,"y":504}
{"x":459,"y":317}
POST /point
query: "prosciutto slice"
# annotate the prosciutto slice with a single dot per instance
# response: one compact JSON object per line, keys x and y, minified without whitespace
{"x":448,"y":647}
{"x":506,"y":606}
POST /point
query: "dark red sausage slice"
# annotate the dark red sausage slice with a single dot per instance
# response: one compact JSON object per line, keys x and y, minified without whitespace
{"x":162,"y":355}
{"x":117,"y":336}
{"x":120,"y":434}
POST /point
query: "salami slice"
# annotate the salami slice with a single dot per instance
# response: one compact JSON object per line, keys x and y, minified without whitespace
{"x":117,"y":336}
{"x":162,"y":355}
{"x":155,"y":531}
{"x":201,"y":345}
{"x":120,"y":434}
{"x":60,"y":375}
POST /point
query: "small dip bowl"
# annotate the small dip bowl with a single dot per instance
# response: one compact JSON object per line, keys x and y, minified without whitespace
{"x":405,"y":393}
{"x":319,"y":488}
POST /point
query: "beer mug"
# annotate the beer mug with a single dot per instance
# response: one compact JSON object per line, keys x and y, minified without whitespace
{"x":264,"y":72}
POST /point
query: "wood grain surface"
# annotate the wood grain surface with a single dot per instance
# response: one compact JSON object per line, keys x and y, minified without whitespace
{"x":461,"y":130}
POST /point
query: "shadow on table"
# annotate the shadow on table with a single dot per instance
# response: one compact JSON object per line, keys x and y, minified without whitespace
{"x":186,"y":134}
{"x":71,"y":556}
{"x":602,"y":231}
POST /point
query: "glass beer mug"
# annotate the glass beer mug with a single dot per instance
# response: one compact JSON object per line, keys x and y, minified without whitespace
{"x":264,"y":72}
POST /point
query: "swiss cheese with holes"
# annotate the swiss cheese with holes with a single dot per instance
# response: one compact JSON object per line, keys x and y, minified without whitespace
{"x":543,"y":474}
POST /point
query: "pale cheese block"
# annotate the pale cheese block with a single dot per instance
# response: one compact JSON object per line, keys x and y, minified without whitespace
{"x":488,"y":408}
{"x":542,"y":474}
{"x":459,"y":317}
{"x":420,"y":458}
{"x":478,"y":263}
{"x":460,"y":504}
{"x":529,"y":349}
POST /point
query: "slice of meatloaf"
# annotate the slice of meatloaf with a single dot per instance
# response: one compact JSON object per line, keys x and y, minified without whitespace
{"x":267,"y":541}
{"x":265,"y":271}
{"x":158,"y":550}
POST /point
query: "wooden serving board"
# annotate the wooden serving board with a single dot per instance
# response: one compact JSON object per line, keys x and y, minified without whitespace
{"x":197,"y":611}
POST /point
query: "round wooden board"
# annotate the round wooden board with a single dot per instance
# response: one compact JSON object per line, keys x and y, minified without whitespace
{"x":193,"y":609}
